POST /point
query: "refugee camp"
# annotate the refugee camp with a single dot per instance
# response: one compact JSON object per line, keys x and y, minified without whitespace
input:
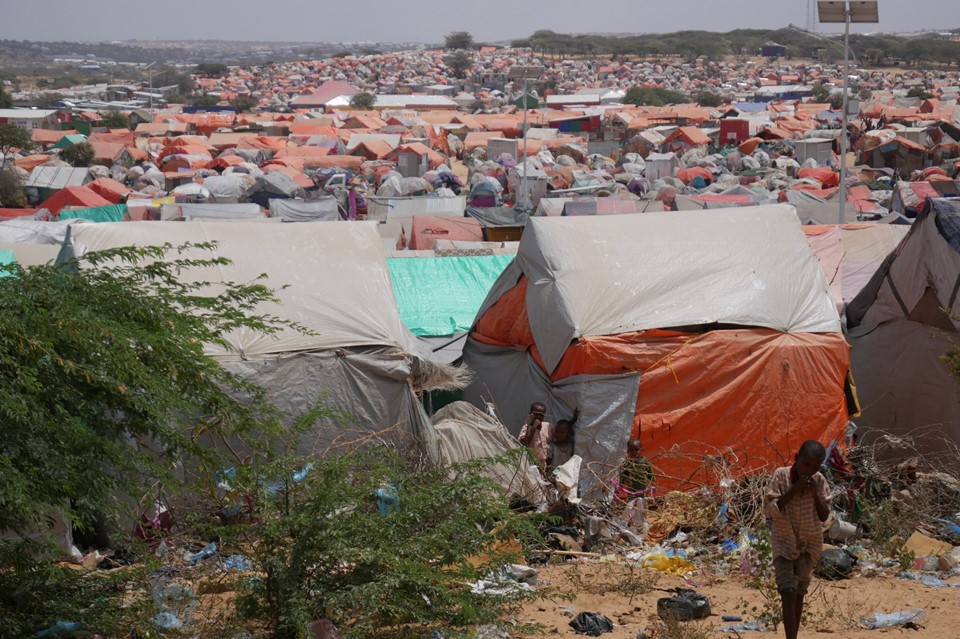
{"x":488,"y":322}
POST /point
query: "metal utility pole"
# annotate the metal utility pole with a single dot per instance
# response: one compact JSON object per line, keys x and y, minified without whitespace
{"x":846,"y":12}
{"x":524,"y":73}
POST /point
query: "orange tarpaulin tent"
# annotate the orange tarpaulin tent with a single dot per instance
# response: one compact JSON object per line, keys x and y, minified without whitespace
{"x":79,"y":196}
{"x":723,"y":385}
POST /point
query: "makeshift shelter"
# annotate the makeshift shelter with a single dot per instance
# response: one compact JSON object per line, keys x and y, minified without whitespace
{"x":322,"y":210}
{"x":109,"y":213}
{"x":660,"y":165}
{"x":212,"y":211}
{"x":80,"y":196}
{"x":850,"y":254}
{"x":426,"y":230}
{"x":332,"y":279}
{"x":465,"y":433}
{"x":900,"y":326}
{"x":721,"y":319}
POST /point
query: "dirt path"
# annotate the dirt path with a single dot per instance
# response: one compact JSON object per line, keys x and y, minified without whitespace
{"x":833,"y":607}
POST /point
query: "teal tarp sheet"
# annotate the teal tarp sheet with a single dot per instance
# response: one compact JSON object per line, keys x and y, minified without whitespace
{"x":441,"y":295}
{"x":6,"y":258}
{"x":112,"y":213}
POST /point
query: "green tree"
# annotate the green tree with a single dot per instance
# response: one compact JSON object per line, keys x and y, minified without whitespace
{"x":647,"y":96}
{"x":46,"y":99}
{"x":458,"y":40}
{"x":458,"y":61}
{"x":106,"y":388}
{"x":207,"y":100}
{"x":244,"y":104}
{"x":171,"y":77}
{"x":11,"y":190}
{"x":821,"y":93}
{"x":708,"y":99}
{"x":113,"y":119}
{"x":79,"y":154}
{"x":919,"y":92}
{"x":13,"y":137}
{"x":211,"y":69}
{"x":6,"y":101}
{"x":363,"y":100}
{"x":326,"y":551}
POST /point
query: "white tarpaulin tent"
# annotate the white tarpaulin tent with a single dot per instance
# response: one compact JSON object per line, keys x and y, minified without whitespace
{"x":360,"y":357}
{"x":614,"y":261}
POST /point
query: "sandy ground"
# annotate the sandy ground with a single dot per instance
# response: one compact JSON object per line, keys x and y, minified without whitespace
{"x":833,"y":607}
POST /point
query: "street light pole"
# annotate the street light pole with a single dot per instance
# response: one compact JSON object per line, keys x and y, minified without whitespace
{"x":523,"y":200}
{"x":844,"y":138}
{"x":524,"y":73}
{"x":846,"y":11}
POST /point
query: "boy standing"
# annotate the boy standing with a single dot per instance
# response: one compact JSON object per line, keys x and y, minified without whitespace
{"x":797,"y":503}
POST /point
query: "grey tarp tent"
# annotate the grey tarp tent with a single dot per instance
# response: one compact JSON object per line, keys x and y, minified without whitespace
{"x":360,"y":359}
{"x":189,"y":212}
{"x":464,"y":432}
{"x":322,"y":210}
{"x":900,"y":326}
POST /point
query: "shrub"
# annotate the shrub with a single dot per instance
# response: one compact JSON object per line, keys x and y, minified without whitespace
{"x":325,"y":551}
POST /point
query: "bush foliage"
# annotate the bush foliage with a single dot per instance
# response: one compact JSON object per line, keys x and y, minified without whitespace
{"x":325,"y":550}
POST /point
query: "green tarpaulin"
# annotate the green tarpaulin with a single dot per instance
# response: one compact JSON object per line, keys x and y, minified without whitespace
{"x":441,"y":295}
{"x":112,"y":213}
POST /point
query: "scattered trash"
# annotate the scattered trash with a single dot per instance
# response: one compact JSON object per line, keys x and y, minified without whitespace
{"x":893,"y":619}
{"x":507,"y":579}
{"x":675,"y":565}
{"x":174,"y":602}
{"x":835,"y":564}
{"x":925,"y":546}
{"x":841,"y":531}
{"x":928,"y":580}
{"x":750,"y":626}
{"x":490,"y":631}
{"x":567,"y":611}
{"x":686,"y":605}
{"x":926,"y":564}
{"x":60,"y":627}
{"x":238,"y":562}
{"x":387,"y":499}
{"x":592,"y":624}
{"x":323,"y":629}
{"x":207,"y":551}
{"x":730,"y":618}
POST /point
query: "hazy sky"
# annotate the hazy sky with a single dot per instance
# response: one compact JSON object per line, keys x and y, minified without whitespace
{"x":421,"y":20}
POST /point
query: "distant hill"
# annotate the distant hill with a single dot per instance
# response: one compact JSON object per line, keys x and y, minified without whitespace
{"x":873,"y":49}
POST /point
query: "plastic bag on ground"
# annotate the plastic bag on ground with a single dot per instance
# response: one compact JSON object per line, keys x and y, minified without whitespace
{"x":893,"y":619}
{"x":686,"y":605}
{"x":835,"y":564}
{"x":592,"y":624}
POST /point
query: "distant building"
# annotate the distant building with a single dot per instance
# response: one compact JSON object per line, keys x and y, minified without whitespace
{"x":30,"y":119}
{"x":773,"y":50}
